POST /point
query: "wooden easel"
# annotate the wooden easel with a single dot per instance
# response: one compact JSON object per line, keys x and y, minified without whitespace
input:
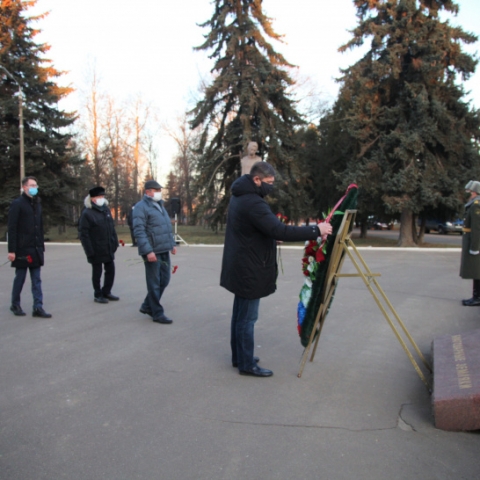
{"x":339,"y":252}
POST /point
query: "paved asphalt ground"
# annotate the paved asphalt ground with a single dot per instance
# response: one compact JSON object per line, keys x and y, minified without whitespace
{"x":101,"y":392}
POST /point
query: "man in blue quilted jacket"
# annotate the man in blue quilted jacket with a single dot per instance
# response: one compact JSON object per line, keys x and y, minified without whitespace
{"x":153,"y":232}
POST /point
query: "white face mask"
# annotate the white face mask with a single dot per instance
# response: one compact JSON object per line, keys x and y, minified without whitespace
{"x":100,"y":202}
{"x":157,"y":196}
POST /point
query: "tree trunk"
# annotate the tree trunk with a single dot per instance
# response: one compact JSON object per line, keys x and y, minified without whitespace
{"x":406,"y":235}
{"x":116,"y":198}
{"x":363,"y":229}
{"x":415,"y":235}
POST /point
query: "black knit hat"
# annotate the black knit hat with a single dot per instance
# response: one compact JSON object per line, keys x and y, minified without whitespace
{"x":96,"y":191}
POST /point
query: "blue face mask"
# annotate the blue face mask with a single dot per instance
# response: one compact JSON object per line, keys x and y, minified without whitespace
{"x":32,"y":191}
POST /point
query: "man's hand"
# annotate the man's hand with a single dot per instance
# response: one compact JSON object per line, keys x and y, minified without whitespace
{"x":11,"y":257}
{"x":174,"y":250}
{"x":325,"y":229}
{"x":151,"y":257}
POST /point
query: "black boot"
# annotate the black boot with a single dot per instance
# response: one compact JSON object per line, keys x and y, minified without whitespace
{"x":475,"y":300}
{"x":40,"y":312}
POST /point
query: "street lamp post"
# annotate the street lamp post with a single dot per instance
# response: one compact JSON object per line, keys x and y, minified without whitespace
{"x":20,"y":123}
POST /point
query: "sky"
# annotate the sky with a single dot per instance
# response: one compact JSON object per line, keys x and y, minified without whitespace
{"x":145,"y":47}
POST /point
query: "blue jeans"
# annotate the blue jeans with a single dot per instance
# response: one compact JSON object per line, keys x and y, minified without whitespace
{"x":244,"y":316}
{"x":158,"y":277}
{"x":19,"y":280}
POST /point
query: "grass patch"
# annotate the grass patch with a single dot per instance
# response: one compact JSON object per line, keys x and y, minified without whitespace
{"x":193,"y":235}
{"x":201,"y":235}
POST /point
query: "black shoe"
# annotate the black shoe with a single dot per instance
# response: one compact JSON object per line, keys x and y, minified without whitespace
{"x":100,"y":299}
{"x":256,"y":371}
{"x":163,"y":319}
{"x":471,"y":302}
{"x":145,"y":311}
{"x":111,"y":297}
{"x":40,"y":312}
{"x":17,"y":310}
{"x":255,"y":359}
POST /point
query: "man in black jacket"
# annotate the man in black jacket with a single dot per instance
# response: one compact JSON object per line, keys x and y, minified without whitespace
{"x":99,"y":239}
{"x":249,"y":266}
{"x":26,"y":246}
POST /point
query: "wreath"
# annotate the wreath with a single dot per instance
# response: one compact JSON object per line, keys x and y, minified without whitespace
{"x":315,"y":261}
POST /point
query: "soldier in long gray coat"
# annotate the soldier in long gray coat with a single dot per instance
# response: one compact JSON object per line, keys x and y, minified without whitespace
{"x":470,"y":264}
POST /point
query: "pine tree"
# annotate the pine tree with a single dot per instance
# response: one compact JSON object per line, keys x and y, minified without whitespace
{"x":247,"y":101}
{"x":319,"y":190}
{"x":336,"y":150}
{"x":48,"y":155}
{"x":413,"y":133}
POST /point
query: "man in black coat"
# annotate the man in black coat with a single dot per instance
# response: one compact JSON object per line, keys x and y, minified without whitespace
{"x":99,"y":240}
{"x":249,"y":266}
{"x":26,"y":246}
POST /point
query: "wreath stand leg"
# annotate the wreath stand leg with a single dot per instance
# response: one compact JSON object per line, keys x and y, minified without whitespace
{"x":340,"y":250}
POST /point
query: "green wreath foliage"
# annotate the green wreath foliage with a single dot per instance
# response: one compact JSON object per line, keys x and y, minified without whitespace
{"x":349,"y":203}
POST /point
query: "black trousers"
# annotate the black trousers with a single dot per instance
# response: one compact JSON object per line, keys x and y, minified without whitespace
{"x":134,"y":242}
{"x":107,"y":280}
{"x":476,"y":288}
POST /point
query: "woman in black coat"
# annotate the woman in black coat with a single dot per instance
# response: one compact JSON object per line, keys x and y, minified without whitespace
{"x":99,"y":240}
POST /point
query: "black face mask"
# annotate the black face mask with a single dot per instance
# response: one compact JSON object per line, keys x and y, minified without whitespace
{"x":265,"y":189}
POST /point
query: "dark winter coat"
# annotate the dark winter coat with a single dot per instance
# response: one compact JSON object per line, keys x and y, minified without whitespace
{"x":25,"y":232}
{"x":249,"y":266}
{"x":152,"y":227}
{"x":130,"y":219}
{"x":470,"y":264}
{"x":97,"y":233}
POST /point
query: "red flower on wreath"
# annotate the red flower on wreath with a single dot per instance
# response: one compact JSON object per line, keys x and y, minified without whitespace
{"x":311,"y":248}
{"x":319,"y":256}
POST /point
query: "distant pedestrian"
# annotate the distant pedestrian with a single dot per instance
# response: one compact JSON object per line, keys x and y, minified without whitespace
{"x":153,"y":232}
{"x":470,"y":263}
{"x":99,"y":240}
{"x":249,"y":266}
{"x":26,"y":246}
{"x":130,"y":225}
